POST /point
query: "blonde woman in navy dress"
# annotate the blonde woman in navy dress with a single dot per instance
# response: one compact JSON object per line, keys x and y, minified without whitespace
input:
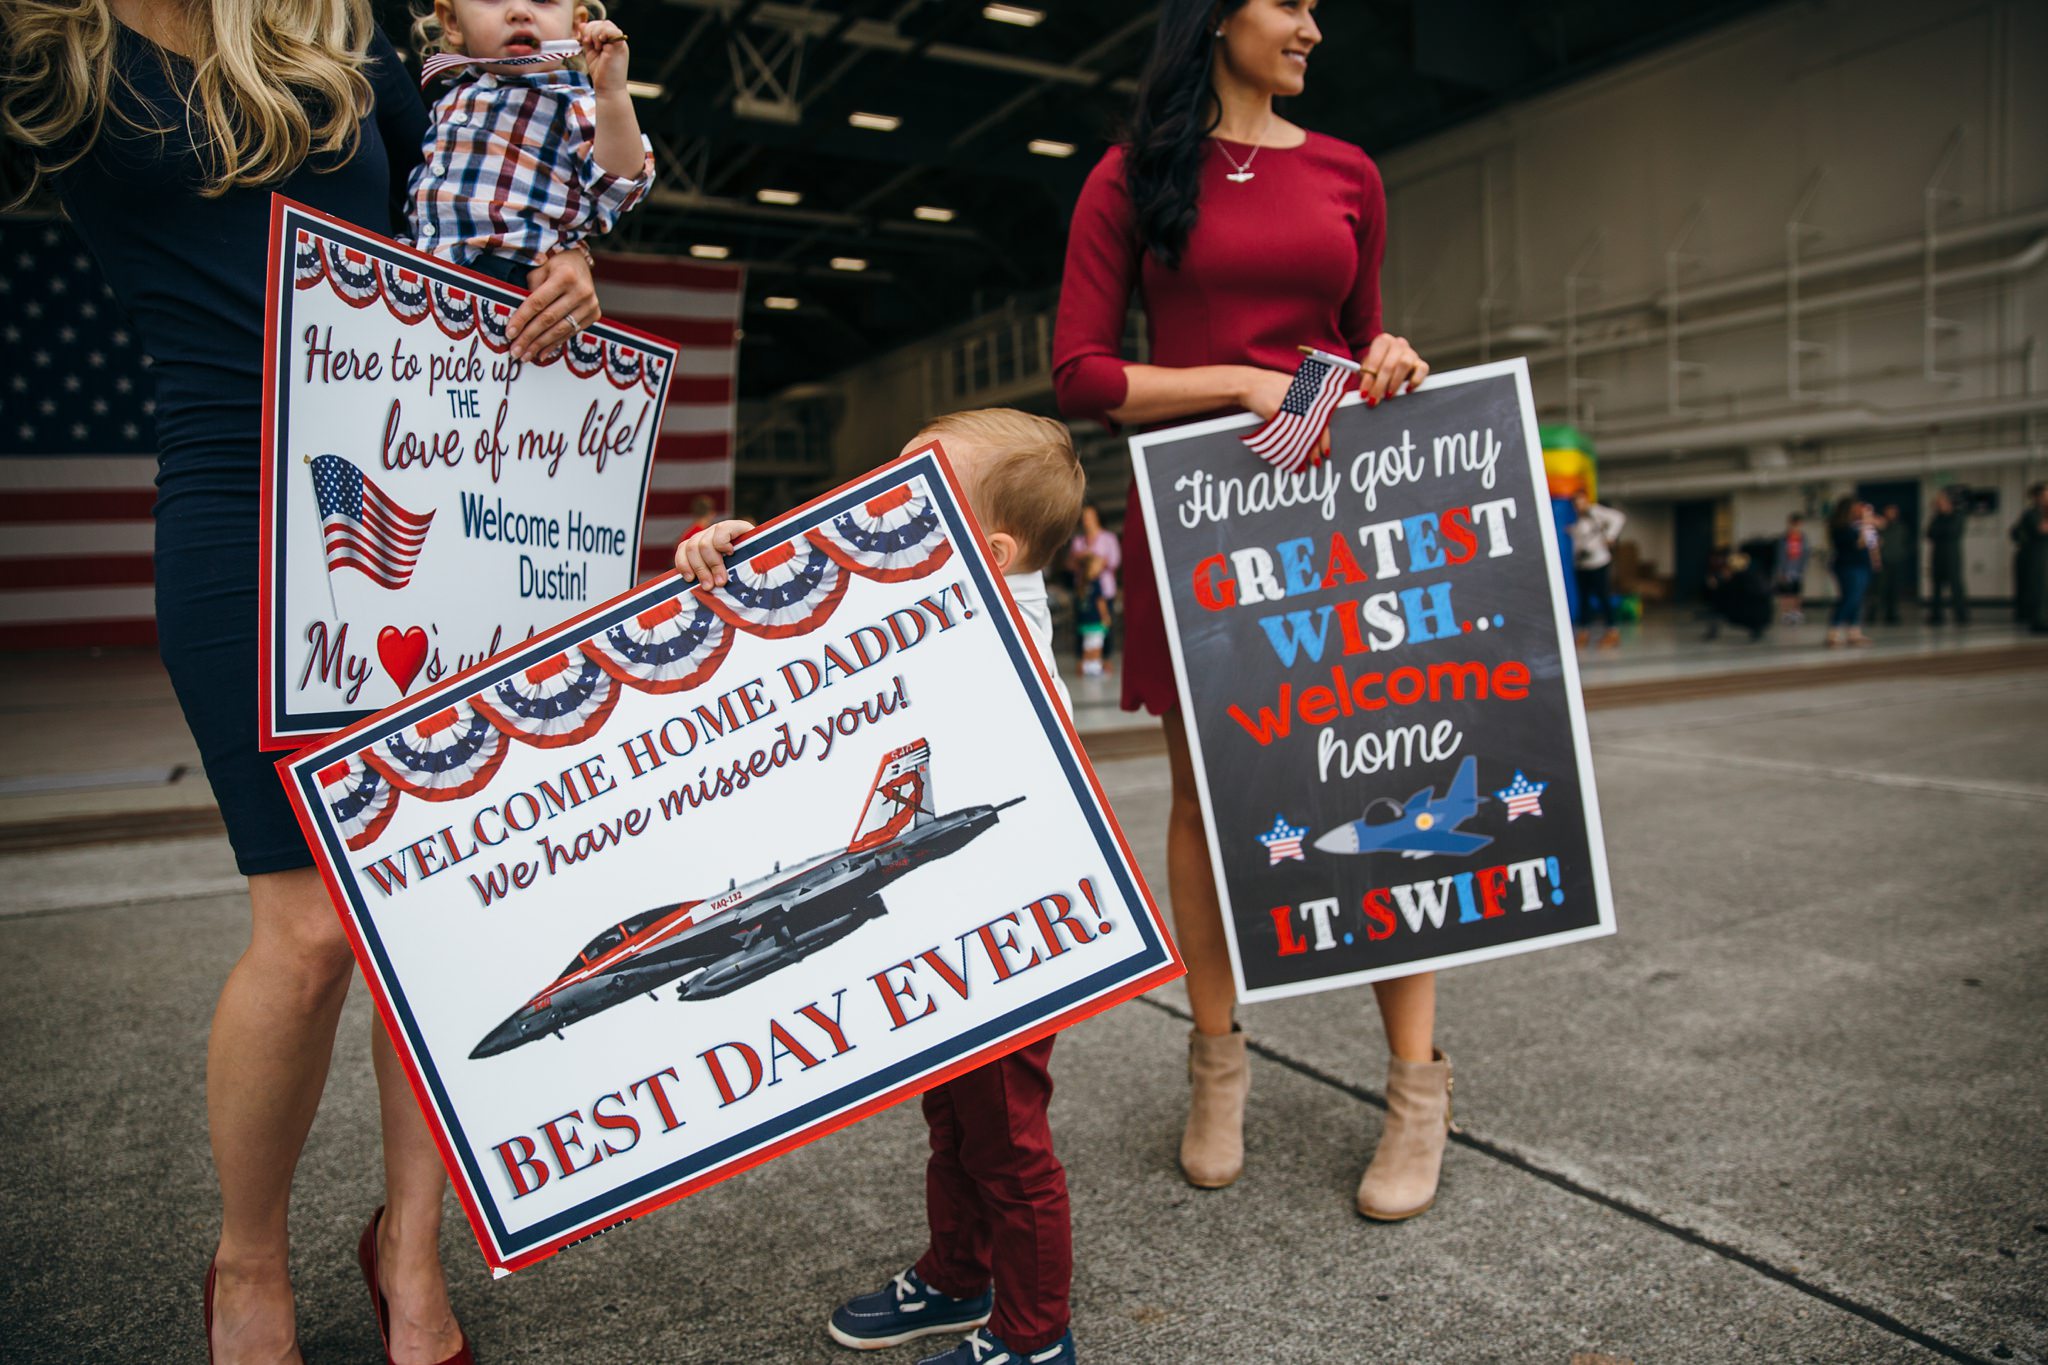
{"x":164,"y":127}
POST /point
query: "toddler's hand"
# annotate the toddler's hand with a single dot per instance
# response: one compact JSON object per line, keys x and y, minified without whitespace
{"x":702,"y":557}
{"x":604,"y":53}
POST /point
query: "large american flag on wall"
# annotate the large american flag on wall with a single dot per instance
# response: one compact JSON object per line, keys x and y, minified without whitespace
{"x":77,"y":450}
{"x":78,"y":447}
{"x":697,"y":306}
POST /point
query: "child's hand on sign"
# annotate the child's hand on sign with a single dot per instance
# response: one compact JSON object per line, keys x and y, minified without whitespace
{"x":701,"y":557}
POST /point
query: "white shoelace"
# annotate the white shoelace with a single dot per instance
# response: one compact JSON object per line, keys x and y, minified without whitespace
{"x":904,"y":1289}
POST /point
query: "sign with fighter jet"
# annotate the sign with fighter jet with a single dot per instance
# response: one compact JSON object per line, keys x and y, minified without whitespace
{"x":1375,"y":662}
{"x":707,"y":873}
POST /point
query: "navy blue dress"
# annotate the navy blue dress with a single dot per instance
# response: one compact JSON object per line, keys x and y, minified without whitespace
{"x":190,"y":273}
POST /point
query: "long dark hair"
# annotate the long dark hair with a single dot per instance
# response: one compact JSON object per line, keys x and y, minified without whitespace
{"x":1176,"y":111}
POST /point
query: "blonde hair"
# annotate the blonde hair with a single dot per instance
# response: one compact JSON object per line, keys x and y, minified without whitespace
{"x":428,"y":37}
{"x":1021,"y":474}
{"x":272,"y":82}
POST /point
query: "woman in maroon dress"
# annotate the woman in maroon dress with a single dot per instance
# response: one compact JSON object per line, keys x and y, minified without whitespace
{"x":1245,"y":237}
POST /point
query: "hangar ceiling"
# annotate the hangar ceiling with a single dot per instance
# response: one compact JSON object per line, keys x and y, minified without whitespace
{"x":895,"y":166}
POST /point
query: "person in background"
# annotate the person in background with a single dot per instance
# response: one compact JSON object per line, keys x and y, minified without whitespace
{"x":1945,"y":560}
{"x":2022,"y":577}
{"x":1894,"y":553}
{"x":1593,"y":533}
{"x":1852,"y":552}
{"x":1093,"y":542}
{"x":1091,"y":616}
{"x":2033,"y":560}
{"x":1790,"y":570}
{"x":703,"y":515}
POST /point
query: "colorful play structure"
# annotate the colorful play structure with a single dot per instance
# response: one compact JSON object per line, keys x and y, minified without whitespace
{"x":1570,"y":468}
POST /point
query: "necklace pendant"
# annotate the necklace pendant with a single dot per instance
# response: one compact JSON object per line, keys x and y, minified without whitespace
{"x":1238,"y":177}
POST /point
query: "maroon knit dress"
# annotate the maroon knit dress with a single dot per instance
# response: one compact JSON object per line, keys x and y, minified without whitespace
{"x":1289,"y":258}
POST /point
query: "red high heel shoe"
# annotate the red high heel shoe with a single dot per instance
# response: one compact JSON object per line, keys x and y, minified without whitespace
{"x":206,"y":1303}
{"x":366,"y":1257}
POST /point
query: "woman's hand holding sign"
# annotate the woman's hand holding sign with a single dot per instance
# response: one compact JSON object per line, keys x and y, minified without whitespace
{"x":1391,"y":367}
{"x":563,"y":302}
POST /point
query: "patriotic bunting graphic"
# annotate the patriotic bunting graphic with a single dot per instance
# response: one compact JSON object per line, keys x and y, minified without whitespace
{"x":493,"y":323}
{"x":454,"y":309}
{"x":563,"y":700}
{"x":1291,"y":436}
{"x":364,"y":530}
{"x":405,"y":292}
{"x":583,"y":354}
{"x":354,"y":275}
{"x":362,"y":801}
{"x":890,"y":539}
{"x":1283,"y":842}
{"x":673,"y":646}
{"x":667,"y":648}
{"x":411,"y":297}
{"x":788,"y":591}
{"x":449,"y":755}
{"x":1522,"y":797}
{"x":309,"y":264}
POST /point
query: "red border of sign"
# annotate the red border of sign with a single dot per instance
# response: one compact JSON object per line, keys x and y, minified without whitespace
{"x":501,"y":1265}
{"x":266,"y":737}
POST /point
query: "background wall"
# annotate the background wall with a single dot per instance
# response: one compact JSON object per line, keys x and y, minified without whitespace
{"x":1803,"y":254}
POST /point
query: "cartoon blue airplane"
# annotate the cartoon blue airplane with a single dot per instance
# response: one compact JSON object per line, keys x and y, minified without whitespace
{"x":1427,"y":823}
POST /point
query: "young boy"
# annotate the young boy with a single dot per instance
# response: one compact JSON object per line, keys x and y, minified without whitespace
{"x":528,"y":160}
{"x":1001,"y":1249}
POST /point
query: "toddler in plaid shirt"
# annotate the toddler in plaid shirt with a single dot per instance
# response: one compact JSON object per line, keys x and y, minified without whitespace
{"x":526,"y":160}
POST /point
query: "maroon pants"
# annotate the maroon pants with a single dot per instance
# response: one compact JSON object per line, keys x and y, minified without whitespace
{"x":996,"y":1197}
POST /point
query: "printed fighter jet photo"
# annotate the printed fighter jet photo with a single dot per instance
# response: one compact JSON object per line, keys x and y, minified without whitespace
{"x":715,"y":946}
{"x":1427,"y":824}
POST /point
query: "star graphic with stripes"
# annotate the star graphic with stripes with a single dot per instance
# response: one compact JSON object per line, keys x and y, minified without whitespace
{"x":1522,"y":797}
{"x":1283,"y":841}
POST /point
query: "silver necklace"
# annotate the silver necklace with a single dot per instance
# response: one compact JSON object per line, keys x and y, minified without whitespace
{"x":1244,"y":168}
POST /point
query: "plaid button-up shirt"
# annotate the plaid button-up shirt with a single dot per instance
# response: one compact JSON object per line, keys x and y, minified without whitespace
{"x":509,"y":171}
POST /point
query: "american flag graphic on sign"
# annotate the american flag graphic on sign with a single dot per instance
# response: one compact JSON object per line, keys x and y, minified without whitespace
{"x":1283,"y":841}
{"x":363,"y":529}
{"x":1522,"y":797}
{"x":1291,"y":435}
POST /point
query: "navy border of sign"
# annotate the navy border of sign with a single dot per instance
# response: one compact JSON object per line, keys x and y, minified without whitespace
{"x":310,"y":726}
{"x":307,"y":764}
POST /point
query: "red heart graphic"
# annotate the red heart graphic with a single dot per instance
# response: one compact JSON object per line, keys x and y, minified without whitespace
{"x":402,"y":653}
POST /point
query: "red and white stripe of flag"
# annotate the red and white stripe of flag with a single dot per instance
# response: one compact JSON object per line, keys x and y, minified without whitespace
{"x":697,"y":306}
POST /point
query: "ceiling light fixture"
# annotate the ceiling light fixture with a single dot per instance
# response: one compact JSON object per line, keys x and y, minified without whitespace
{"x":787,"y":198}
{"x":929,"y":213}
{"x":781,"y":303}
{"x":1045,"y":146}
{"x":705,"y":251}
{"x":853,"y":263}
{"x":1014,"y":14}
{"x":875,"y":123}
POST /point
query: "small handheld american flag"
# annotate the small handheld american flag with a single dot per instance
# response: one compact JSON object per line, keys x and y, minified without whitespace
{"x":1286,"y":441}
{"x":441,"y":63}
{"x":363,"y":529}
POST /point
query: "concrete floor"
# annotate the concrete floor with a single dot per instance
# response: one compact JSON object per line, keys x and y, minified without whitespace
{"x":1795,"y":1111}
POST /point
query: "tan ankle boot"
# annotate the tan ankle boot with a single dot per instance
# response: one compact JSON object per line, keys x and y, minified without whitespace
{"x":1401,"y":1181}
{"x":1220,"y":1076}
